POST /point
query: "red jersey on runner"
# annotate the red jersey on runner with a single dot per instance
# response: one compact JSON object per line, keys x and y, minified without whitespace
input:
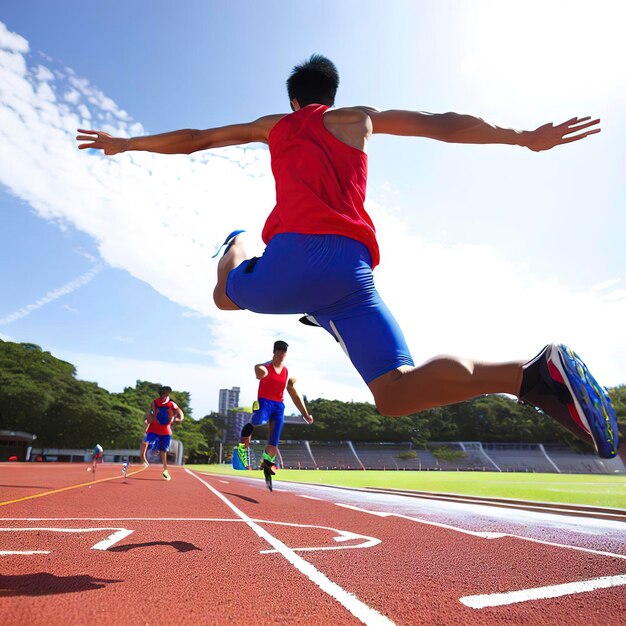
{"x":162,"y":417}
{"x":320,"y":181}
{"x":272,"y":387}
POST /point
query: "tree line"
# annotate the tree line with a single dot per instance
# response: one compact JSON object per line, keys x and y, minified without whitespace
{"x":40,"y":394}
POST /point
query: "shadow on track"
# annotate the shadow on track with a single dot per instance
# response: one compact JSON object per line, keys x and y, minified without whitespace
{"x":236,"y":495}
{"x":44,"y":584}
{"x":181,"y":546}
{"x":28,"y":486}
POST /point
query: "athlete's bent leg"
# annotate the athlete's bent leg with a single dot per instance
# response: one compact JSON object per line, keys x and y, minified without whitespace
{"x":233,"y":257}
{"x":440,"y":381}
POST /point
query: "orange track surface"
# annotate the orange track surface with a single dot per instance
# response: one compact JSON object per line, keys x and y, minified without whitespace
{"x":207,"y":566}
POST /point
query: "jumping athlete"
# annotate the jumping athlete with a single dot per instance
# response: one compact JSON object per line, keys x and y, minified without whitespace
{"x":322,"y":244}
{"x":273,"y":378}
{"x":163,"y":412}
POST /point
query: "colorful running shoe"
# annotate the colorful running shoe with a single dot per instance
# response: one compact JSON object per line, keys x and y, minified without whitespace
{"x":268,"y":465}
{"x":166,"y":475}
{"x":228,"y":241}
{"x":558,"y":383}
{"x":241,"y":457}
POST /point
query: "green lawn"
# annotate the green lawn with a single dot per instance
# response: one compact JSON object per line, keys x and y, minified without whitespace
{"x":608,"y":491}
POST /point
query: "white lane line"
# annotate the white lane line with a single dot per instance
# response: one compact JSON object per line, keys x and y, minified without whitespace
{"x":112,"y":539}
{"x":541,"y":593}
{"x":226,"y":482}
{"x":23,"y":552}
{"x":484,"y":535}
{"x":560,"y":545}
{"x":473,"y":533}
{"x":348,"y":600}
{"x":308,"y":497}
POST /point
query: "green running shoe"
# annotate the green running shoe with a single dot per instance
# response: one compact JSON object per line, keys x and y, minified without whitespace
{"x":241,"y":457}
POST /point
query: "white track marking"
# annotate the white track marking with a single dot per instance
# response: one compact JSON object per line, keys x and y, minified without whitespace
{"x":23,"y":552}
{"x":499,"y":599}
{"x":344,"y":535}
{"x":541,"y":593}
{"x":309,"y":497}
{"x":356,"y":607}
{"x":482,"y":535}
{"x":226,"y":482}
{"x":112,"y":539}
{"x":341,"y":535}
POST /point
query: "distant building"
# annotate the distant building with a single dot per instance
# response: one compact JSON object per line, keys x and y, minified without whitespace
{"x":229,"y":399}
{"x":234,"y":423}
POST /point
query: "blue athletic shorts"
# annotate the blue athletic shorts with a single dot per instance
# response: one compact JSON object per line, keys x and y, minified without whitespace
{"x":270,"y":411}
{"x":328,"y":277}
{"x":160,"y":443}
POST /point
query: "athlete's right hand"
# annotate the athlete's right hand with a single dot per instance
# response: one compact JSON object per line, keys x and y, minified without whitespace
{"x":100,"y":140}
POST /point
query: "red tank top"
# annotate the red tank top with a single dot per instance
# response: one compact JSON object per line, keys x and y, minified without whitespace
{"x":162,"y":417}
{"x":320,"y":181}
{"x":272,"y":387}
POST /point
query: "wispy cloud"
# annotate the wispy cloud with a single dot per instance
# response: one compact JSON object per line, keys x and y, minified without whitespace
{"x":53,"y":295}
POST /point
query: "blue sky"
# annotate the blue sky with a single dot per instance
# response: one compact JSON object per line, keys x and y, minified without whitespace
{"x":487,"y":251}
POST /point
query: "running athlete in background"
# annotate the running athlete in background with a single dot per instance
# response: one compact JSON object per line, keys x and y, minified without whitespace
{"x":96,"y":457}
{"x":273,"y":378}
{"x":163,"y":412}
{"x":322,"y":248}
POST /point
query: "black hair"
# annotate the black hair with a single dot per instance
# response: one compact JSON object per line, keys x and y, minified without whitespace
{"x":313,"y":82}
{"x":280,"y":345}
{"x":165,"y":389}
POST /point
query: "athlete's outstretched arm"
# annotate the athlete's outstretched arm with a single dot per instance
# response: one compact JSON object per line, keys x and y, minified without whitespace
{"x":457,"y":128}
{"x":183,"y":141}
{"x":298,"y":400}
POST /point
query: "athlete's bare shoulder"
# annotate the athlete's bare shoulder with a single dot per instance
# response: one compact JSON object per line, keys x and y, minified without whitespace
{"x":351,"y":125}
{"x":263,"y":125}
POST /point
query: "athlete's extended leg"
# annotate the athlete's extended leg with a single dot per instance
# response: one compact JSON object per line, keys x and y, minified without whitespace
{"x":442,"y":380}
{"x":234,"y":256}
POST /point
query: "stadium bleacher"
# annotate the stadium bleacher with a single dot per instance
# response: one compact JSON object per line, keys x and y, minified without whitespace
{"x":338,"y":455}
{"x":520,"y":457}
{"x":471,"y":456}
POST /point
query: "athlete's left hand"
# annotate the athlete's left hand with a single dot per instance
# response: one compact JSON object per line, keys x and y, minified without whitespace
{"x":548,"y":136}
{"x":308,"y":418}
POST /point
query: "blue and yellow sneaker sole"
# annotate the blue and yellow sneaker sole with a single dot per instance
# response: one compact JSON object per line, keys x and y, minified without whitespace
{"x":591,"y":402}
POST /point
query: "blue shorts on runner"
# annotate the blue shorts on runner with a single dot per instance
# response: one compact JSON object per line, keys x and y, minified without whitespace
{"x":328,"y":277}
{"x":273,"y":412}
{"x":159,"y":443}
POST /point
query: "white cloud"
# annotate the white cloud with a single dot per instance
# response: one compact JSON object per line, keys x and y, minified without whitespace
{"x":160,"y":218}
{"x":12,"y":41}
{"x":522,"y":53}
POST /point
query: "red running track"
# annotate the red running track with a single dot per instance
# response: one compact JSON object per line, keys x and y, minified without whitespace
{"x":205,"y":549}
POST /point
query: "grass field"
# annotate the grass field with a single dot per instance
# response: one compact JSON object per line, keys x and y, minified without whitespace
{"x":607,"y":491}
